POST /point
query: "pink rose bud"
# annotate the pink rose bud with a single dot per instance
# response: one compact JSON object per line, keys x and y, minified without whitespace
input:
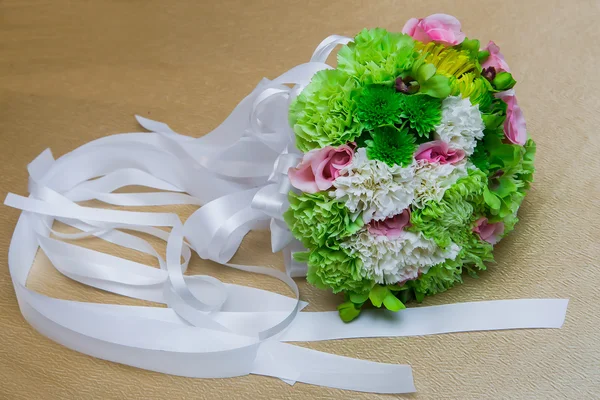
{"x":439,"y":152}
{"x":391,"y":227}
{"x":515,"y":129}
{"x":320,"y":167}
{"x":495,"y":59}
{"x":488,"y":232}
{"x":439,"y":28}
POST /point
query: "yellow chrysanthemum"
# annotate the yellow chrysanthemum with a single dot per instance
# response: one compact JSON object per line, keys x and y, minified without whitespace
{"x":447,"y":60}
{"x":473,"y":86}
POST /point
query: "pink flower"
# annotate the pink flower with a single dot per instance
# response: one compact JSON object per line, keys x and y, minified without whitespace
{"x":439,"y":152}
{"x":496,"y":59}
{"x":320,"y":167}
{"x":439,"y":28}
{"x":515,"y":129}
{"x":391,"y":227}
{"x":488,"y":232}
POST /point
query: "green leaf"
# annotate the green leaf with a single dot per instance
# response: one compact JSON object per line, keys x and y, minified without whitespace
{"x":425,"y":72}
{"x":348,"y":311}
{"x":378,"y":294}
{"x":504,"y":81}
{"x":470,"y":45}
{"x":437,"y":86}
{"x":491,"y":199}
{"x":483,"y":55}
{"x":406,"y":295}
{"x":359,"y":298}
{"x":505,"y":187}
{"x":493,"y":121}
{"x":510,"y":154}
{"x":392,"y":303}
{"x":419,"y":296}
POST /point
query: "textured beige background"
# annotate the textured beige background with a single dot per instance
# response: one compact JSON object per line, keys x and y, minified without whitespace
{"x":75,"y":71}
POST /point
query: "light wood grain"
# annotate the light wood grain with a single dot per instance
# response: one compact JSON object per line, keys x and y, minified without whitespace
{"x":73,"y":71}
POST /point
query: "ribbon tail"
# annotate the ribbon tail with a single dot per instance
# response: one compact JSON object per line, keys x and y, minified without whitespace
{"x":280,"y":235}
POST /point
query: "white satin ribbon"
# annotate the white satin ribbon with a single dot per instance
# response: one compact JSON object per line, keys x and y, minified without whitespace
{"x":238,"y":173}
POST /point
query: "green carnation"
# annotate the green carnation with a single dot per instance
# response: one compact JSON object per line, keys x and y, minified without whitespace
{"x":336,"y":270}
{"x":439,"y":278}
{"x":422,"y":112}
{"x":377,"y":56}
{"x":511,"y":173}
{"x":392,"y":146}
{"x":322,"y":115}
{"x":317,"y":220}
{"x":378,"y":106}
{"x":444,"y":220}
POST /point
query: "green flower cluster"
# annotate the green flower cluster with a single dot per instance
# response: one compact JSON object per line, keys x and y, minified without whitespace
{"x":335,"y":270}
{"x":511,"y":169}
{"x":323,"y":114}
{"x":317,"y":220}
{"x":451,"y":220}
{"x":377,"y":56}
{"x":350,"y":102}
{"x":462,"y":204}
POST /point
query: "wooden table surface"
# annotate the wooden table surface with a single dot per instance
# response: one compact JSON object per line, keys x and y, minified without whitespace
{"x":73,"y":71}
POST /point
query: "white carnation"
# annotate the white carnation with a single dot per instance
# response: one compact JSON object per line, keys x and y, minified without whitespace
{"x":432,"y":180}
{"x":374,"y":188}
{"x":461,"y":124}
{"x":389,"y":261}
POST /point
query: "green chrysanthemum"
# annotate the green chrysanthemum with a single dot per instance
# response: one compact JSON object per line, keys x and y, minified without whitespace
{"x":336,"y":270}
{"x":323,"y":114}
{"x":392,"y":146}
{"x":317,"y":220}
{"x":377,"y":56}
{"x":378,"y":106}
{"x":422,"y":112}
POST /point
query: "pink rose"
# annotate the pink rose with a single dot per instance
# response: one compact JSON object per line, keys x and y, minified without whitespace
{"x":320,"y":167}
{"x":439,"y":28}
{"x":439,"y":152}
{"x":391,"y":227}
{"x":496,"y":59}
{"x":515,"y":129}
{"x":488,"y":232}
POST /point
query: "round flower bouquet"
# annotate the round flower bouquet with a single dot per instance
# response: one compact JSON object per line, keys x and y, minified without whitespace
{"x":416,"y":160}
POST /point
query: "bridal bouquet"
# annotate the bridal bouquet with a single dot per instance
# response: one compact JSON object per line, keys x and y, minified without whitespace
{"x":416,"y":160}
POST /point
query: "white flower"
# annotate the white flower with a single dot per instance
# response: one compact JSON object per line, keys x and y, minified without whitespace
{"x":374,"y":188}
{"x":461,"y":124}
{"x":432,"y":180}
{"x":389,"y":261}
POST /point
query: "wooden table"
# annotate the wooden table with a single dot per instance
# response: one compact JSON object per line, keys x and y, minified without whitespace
{"x":71,"y":72}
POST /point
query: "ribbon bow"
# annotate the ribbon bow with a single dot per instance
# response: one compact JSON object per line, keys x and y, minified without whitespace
{"x":272,"y":199}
